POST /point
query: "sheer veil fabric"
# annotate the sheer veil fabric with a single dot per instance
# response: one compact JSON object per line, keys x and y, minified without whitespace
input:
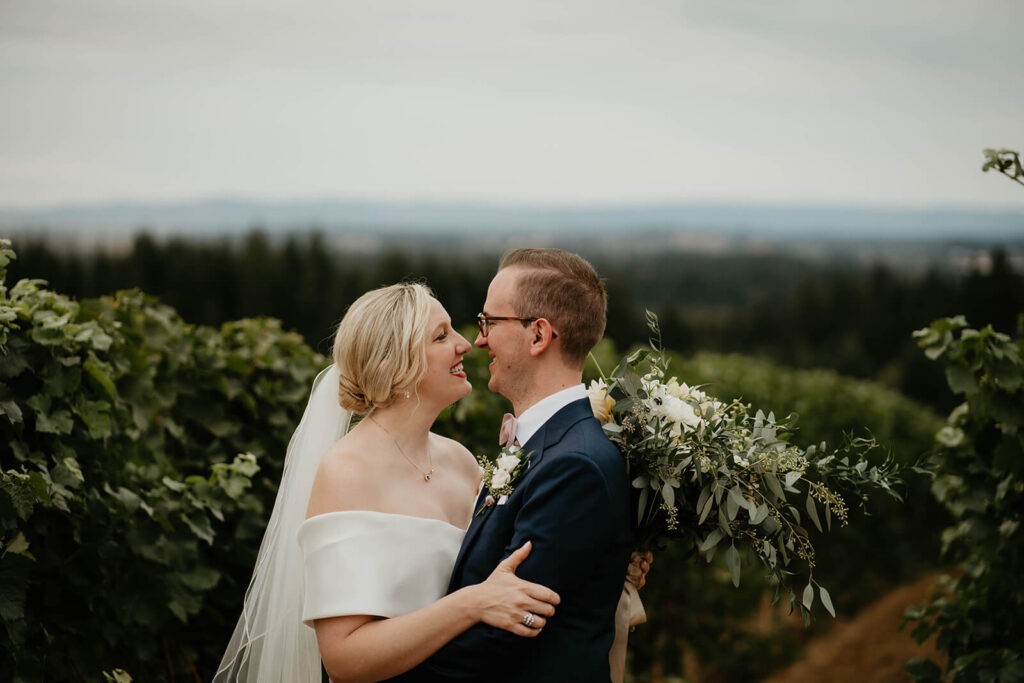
{"x":270,"y":643}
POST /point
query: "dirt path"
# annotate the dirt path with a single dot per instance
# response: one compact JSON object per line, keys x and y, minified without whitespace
{"x":868,"y":649}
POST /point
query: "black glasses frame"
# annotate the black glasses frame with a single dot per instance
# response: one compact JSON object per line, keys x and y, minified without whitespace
{"x":482,"y":321}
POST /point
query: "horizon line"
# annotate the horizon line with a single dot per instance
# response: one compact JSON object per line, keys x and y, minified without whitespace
{"x":506,"y":205}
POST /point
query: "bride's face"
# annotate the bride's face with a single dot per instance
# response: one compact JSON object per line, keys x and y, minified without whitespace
{"x":445,"y":381}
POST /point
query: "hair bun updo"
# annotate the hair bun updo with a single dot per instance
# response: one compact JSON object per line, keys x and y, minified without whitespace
{"x":379,"y":347}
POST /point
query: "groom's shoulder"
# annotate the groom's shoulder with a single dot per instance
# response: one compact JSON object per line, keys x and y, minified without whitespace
{"x":588,"y":438}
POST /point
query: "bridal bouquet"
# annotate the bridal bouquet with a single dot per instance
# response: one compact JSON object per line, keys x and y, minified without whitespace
{"x":713,"y":475}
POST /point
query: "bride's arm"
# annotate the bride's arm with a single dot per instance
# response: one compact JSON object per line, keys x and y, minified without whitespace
{"x":363,"y":648}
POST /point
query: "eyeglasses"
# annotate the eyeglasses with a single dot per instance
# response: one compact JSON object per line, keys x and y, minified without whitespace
{"x":482,"y":321}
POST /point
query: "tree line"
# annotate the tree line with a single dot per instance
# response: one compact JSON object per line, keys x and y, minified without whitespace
{"x":856,"y":320}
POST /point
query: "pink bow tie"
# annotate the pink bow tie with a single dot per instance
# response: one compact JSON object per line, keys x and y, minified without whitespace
{"x":507,"y":435}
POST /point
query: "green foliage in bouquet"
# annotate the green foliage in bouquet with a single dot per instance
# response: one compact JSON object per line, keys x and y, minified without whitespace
{"x":830,"y":406}
{"x":129,"y":522}
{"x":979,"y":462}
{"x":711,"y":475}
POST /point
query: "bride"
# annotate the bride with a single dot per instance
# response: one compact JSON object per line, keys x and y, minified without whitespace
{"x":368,"y":522}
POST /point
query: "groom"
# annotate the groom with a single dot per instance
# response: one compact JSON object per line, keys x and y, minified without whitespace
{"x":545,"y":310}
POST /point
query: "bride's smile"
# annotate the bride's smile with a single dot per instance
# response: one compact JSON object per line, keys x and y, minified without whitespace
{"x":445,"y":349}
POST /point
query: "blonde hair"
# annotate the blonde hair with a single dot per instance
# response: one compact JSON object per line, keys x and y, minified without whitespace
{"x":379,"y":347}
{"x":564,"y":288}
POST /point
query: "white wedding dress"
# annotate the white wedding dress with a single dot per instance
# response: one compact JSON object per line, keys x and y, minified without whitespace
{"x":377,"y":563}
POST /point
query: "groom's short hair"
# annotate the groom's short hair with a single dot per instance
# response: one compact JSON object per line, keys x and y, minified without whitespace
{"x":564,"y":288}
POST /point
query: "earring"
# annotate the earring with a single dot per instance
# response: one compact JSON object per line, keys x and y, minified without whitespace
{"x":407,"y":394}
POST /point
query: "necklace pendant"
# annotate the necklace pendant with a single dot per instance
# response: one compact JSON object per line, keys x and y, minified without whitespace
{"x":426,"y":476}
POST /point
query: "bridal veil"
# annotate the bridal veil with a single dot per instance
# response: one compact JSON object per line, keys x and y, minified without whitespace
{"x":270,"y":643}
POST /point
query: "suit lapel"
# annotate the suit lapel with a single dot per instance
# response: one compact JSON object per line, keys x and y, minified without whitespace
{"x":474,"y":528}
{"x":550,"y":433}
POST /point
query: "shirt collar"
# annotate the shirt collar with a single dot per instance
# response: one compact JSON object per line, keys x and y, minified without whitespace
{"x":534,"y":417}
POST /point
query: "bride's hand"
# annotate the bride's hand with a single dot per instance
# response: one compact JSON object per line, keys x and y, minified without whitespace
{"x":505,"y":599}
{"x":639,"y":565}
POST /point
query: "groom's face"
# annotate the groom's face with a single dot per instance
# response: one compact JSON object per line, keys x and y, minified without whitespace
{"x":507,"y":341}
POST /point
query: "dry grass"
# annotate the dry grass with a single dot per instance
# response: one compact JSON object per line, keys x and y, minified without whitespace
{"x":870,"y":648}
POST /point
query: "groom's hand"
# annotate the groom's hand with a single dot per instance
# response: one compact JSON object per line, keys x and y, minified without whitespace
{"x":508,"y":600}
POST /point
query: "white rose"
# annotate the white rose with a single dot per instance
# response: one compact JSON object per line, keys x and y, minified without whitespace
{"x":500,"y":479}
{"x":674,"y":389}
{"x":507,"y":462}
{"x":681,"y":412}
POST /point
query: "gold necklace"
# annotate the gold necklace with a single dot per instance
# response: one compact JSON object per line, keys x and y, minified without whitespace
{"x":426,"y":475}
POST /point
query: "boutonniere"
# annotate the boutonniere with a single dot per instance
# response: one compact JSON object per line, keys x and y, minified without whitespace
{"x":501,"y":475}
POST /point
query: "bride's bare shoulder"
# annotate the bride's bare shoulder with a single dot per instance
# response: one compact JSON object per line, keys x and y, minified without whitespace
{"x":459,"y":457}
{"x":345,"y":480}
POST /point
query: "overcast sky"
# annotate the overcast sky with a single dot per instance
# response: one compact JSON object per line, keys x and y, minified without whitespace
{"x":599,"y":101}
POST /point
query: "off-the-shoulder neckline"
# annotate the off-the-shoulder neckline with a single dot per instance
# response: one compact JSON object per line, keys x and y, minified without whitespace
{"x":385,"y":514}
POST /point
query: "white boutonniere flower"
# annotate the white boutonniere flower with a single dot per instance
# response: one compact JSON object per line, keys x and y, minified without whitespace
{"x":500,"y":475}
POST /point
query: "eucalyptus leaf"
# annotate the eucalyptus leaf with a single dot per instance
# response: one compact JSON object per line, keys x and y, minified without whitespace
{"x":705,"y":495}
{"x":723,"y":521}
{"x":736,"y":495}
{"x":731,"y":507}
{"x":732,"y":560}
{"x":826,"y":600}
{"x":669,"y":494}
{"x":772,"y":481}
{"x":808,"y":597}
{"x":712,"y":540}
{"x":624,"y":406}
{"x":705,"y":510}
{"x":812,"y":512}
{"x":631,"y":383}
{"x":758,"y":513}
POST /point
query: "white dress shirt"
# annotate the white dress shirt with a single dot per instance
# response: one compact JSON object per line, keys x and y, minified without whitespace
{"x":534,"y":417}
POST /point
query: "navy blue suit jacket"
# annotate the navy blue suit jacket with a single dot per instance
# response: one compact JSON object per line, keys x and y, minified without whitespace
{"x":573,"y":504}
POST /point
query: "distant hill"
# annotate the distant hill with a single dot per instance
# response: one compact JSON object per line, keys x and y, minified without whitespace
{"x":235,"y":216}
